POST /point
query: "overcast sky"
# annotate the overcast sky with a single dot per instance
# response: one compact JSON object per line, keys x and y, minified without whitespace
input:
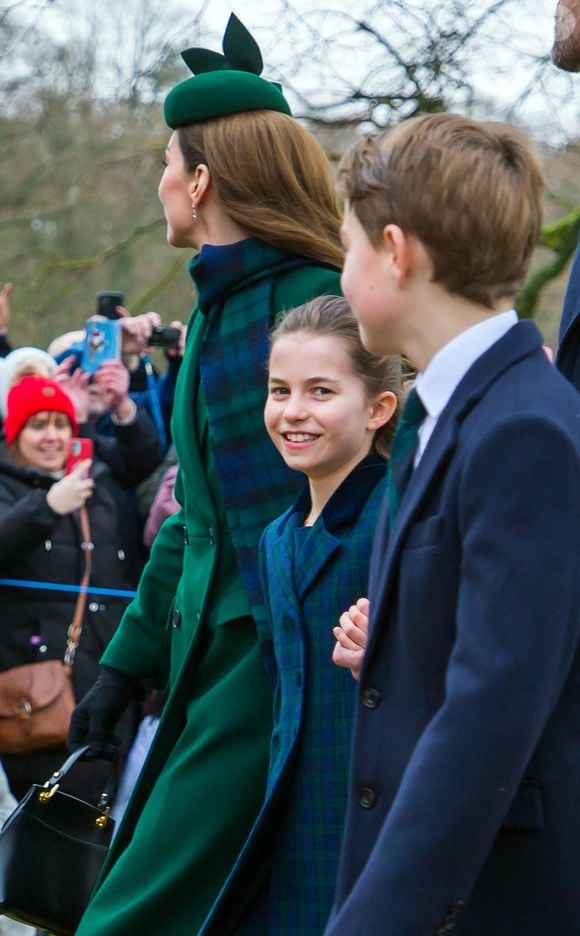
{"x":523,"y":31}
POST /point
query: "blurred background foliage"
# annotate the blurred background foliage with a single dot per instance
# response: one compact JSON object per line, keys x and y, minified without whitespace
{"x":82,"y":135}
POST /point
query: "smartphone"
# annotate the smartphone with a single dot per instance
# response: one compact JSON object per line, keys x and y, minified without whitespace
{"x":107,"y":303}
{"x":102,"y":343}
{"x":78,"y":450}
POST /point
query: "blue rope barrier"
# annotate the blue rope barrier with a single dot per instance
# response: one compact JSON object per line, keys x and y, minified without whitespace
{"x":75,"y":589}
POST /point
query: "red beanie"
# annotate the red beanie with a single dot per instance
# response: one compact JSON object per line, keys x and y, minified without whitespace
{"x":33,"y":395}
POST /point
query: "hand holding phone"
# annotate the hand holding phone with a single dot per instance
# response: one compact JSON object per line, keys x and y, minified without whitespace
{"x":73,"y":491}
{"x":113,"y":379}
{"x":102,"y":343}
{"x":78,"y":450}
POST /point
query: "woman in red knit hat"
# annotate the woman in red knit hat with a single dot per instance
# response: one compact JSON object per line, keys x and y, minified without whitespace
{"x":40,"y":542}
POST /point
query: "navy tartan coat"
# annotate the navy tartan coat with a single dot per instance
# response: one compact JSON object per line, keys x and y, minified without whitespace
{"x":310,"y":576}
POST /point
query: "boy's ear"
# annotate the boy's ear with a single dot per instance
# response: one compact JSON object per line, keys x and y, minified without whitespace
{"x":399,"y":246}
{"x":383,"y":408}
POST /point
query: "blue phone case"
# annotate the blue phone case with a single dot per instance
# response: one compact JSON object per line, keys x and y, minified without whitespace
{"x":102,"y":343}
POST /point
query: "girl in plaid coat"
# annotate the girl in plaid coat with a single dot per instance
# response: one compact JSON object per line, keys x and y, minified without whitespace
{"x":329,"y":412}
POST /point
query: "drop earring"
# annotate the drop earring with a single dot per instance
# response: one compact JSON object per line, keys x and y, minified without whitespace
{"x":194,"y":212}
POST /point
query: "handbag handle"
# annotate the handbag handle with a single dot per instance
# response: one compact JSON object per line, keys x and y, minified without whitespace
{"x":76,"y":627}
{"x":52,"y":784}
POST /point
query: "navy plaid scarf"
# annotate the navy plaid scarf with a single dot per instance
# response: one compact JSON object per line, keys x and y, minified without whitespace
{"x":234,"y":285}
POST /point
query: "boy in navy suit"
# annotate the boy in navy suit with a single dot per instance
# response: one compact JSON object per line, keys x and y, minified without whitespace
{"x":464,"y":804}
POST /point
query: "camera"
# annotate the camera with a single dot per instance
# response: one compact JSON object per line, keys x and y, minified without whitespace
{"x":164,"y":336}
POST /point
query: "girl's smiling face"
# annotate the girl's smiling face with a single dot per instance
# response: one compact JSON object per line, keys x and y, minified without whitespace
{"x":317,"y":414}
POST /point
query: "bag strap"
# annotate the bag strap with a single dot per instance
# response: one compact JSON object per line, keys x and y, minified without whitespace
{"x":76,"y":627}
{"x":53,"y":783}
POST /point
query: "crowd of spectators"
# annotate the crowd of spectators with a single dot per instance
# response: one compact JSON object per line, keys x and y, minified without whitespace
{"x":124,"y":409}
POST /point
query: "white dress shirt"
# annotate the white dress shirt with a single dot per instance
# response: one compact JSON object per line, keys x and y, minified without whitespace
{"x":436,"y":384}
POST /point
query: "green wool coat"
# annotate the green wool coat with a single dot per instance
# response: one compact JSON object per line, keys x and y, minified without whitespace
{"x":204,"y":781}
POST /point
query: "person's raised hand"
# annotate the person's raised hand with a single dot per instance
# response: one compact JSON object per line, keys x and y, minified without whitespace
{"x":76,"y":385}
{"x":72,"y":491}
{"x":113,"y":379}
{"x":5,"y":307}
{"x":136,"y":331}
{"x":351,"y":637}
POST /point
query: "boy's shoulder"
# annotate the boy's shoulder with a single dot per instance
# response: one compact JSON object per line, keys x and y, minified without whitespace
{"x":531,"y":388}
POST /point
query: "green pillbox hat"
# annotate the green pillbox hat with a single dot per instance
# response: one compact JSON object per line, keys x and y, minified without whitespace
{"x":223,"y":84}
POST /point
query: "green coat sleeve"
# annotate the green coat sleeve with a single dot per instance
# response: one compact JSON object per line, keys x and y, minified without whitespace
{"x":140,"y":646}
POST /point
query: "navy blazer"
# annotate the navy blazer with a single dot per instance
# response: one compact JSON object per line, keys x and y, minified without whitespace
{"x":568,"y":356}
{"x":464,"y":800}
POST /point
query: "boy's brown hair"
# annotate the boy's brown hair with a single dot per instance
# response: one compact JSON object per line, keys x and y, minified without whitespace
{"x":471,"y":192}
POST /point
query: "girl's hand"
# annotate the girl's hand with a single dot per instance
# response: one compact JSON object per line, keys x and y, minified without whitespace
{"x":351,"y":637}
{"x":72,"y":491}
{"x":136,"y":331}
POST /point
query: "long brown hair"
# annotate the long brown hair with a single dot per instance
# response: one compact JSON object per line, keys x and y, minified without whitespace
{"x":272,"y":178}
{"x":332,"y":316}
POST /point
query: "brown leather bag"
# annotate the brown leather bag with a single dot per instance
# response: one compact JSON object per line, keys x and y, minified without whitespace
{"x":37,"y":699}
{"x":36,"y":703}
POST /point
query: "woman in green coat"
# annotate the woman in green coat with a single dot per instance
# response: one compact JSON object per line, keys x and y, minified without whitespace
{"x":251,"y":190}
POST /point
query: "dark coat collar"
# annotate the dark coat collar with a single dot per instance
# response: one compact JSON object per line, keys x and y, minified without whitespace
{"x":346,"y":502}
{"x":322,"y":540}
{"x":219,"y":271}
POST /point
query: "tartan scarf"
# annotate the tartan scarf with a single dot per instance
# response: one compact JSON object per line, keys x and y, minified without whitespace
{"x":234,"y":287}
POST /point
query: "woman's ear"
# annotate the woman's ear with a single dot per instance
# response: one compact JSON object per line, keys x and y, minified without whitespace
{"x":199,"y":184}
{"x":383,"y":408}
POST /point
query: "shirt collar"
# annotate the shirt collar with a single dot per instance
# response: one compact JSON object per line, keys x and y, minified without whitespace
{"x":436,"y":384}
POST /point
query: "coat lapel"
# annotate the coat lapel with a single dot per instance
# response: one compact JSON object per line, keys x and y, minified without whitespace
{"x":347,"y":502}
{"x":522,"y":340}
{"x":319,"y":548}
{"x":281,"y":554}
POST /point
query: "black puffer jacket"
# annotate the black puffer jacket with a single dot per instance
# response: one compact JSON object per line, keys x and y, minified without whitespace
{"x":36,"y":544}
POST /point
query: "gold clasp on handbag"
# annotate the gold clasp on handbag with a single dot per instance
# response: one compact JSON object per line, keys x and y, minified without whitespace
{"x":104,"y":804}
{"x":102,"y":821}
{"x":49,"y":788}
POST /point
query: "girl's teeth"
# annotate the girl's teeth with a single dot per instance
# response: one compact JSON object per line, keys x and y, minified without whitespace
{"x":299,"y":437}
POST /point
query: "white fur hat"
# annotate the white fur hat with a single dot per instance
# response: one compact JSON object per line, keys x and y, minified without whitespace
{"x":19,"y":362}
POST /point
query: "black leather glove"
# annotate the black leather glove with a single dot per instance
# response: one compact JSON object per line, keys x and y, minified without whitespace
{"x":94,"y":719}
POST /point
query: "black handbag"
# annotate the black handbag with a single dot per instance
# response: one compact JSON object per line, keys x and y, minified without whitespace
{"x":52,"y":848}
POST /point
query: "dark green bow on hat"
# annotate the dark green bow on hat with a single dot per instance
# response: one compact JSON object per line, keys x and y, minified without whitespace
{"x":223,"y":84}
